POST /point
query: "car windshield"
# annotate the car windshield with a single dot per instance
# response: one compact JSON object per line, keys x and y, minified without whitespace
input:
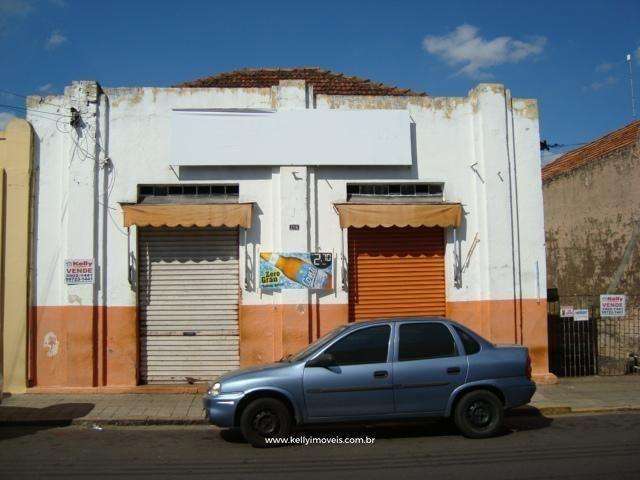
{"x":313,"y":347}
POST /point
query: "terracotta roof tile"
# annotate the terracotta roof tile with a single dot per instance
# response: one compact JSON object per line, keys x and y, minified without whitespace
{"x":615,"y":140}
{"x":325,"y":82}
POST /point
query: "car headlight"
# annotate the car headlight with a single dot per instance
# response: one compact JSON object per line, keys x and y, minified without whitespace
{"x":214,"y":390}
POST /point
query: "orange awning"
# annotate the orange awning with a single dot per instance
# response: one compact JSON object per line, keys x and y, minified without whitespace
{"x":196,"y":215}
{"x":399,"y":214}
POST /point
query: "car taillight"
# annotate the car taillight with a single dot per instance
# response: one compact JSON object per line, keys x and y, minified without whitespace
{"x":527,"y":368}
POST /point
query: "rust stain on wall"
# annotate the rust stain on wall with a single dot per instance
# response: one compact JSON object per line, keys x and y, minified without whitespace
{"x":362,"y":102}
{"x":526,"y":107}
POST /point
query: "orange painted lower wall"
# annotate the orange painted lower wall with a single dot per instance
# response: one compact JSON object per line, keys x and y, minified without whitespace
{"x":83,"y":346}
{"x":269,"y":332}
{"x":78,"y":346}
{"x":503,"y":321}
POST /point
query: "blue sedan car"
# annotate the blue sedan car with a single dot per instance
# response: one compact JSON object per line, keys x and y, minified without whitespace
{"x":376,"y":371}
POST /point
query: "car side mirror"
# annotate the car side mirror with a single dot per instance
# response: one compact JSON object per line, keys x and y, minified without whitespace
{"x":323,"y":360}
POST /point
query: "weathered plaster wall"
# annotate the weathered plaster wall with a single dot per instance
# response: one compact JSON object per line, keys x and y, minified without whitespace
{"x":483,"y":147}
{"x":592,"y":222}
{"x":16,"y":157}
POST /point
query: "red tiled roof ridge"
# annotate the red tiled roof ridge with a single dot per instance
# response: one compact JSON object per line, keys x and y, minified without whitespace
{"x":324,"y":81}
{"x":608,"y":143}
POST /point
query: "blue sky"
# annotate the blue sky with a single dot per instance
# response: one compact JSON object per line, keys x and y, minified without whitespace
{"x":570,"y":55}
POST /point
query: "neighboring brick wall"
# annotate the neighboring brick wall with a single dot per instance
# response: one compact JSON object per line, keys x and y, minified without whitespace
{"x":592,"y":216}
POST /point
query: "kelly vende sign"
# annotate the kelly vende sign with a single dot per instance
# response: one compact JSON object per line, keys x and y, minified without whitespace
{"x":78,"y":271}
{"x":613,"y":305}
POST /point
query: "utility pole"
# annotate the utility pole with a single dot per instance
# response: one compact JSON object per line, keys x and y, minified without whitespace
{"x":633,"y":99}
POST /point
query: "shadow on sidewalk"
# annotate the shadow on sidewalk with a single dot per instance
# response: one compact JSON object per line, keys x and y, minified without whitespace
{"x":19,"y":421}
{"x":529,"y":418}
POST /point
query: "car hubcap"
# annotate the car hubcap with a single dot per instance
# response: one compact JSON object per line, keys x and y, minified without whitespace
{"x":266,"y":423}
{"x":479,"y":413}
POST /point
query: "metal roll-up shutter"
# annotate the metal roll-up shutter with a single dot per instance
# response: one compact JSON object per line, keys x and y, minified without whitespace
{"x":188,"y":303}
{"x":395,"y":272}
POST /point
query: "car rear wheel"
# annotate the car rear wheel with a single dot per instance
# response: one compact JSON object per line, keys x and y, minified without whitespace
{"x":265,"y":418}
{"x":479,"y":414}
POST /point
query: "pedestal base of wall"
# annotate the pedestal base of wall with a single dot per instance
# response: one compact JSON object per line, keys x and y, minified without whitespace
{"x":545,"y":378}
{"x":138,"y":389}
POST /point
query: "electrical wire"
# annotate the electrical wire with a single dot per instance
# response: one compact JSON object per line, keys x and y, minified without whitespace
{"x":562,"y":145}
{"x":84,"y":147}
{"x":81,"y":145}
{"x":41,"y":101}
{"x":25,"y":109}
{"x":43,"y":117}
{"x":545,"y":147}
{"x":19,"y":95}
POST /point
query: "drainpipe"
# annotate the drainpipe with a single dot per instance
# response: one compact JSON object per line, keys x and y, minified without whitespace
{"x":517,"y":209}
{"x":508,"y":141}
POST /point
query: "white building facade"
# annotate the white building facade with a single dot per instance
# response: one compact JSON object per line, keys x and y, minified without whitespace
{"x":152,"y":207}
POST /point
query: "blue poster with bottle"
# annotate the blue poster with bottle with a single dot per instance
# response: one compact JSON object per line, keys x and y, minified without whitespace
{"x":281,"y":271}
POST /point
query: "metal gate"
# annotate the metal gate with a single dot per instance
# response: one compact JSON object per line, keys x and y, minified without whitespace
{"x":598,"y":346}
{"x":396,"y":271}
{"x":188,"y":303}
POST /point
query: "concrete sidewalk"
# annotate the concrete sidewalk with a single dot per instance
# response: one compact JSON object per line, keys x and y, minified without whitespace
{"x":570,"y":395}
{"x":112,"y":409}
{"x":589,"y":394}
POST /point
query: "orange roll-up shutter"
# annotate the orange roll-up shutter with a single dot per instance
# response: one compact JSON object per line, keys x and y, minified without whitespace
{"x":396,"y":272}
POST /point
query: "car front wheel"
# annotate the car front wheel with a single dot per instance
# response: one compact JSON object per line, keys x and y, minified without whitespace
{"x":265,"y":418}
{"x":479,"y":414}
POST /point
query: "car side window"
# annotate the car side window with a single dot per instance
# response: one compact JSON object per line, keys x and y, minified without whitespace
{"x":469,"y":343}
{"x":367,"y":345}
{"x":420,"y":341}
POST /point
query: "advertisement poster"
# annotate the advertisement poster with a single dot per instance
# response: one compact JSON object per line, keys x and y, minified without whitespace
{"x":78,"y":271}
{"x":613,"y":305}
{"x":281,"y":271}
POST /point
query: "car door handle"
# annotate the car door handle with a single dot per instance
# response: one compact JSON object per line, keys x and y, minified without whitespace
{"x":381,"y":374}
{"x":453,"y":370}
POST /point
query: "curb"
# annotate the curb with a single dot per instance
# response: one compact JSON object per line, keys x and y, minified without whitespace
{"x":554,"y":410}
{"x":140,"y":422}
{"x":120,"y":422}
{"x":529,"y":411}
{"x":567,"y":410}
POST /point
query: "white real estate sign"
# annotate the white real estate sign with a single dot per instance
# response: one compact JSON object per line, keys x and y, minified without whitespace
{"x":566,"y":311}
{"x":290,"y":137}
{"x":78,"y":271}
{"x":581,"y":315}
{"x":613,"y":305}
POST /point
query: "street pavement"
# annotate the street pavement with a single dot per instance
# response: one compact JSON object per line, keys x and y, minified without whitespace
{"x":564,"y":447}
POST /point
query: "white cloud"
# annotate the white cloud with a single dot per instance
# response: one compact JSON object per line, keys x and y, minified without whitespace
{"x":604,"y":67}
{"x":15,"y":7}
{"x":11,"y":9}
{"x":464,"y":47}
{"x":55,"y":40}
{"x":599,"y":85}
{"x":4,"y":119}
{"x":45,"y":88}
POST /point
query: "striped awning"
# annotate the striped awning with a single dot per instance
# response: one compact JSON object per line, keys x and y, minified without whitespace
{"x":185,"y":215}
{"x":399,"y":214}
